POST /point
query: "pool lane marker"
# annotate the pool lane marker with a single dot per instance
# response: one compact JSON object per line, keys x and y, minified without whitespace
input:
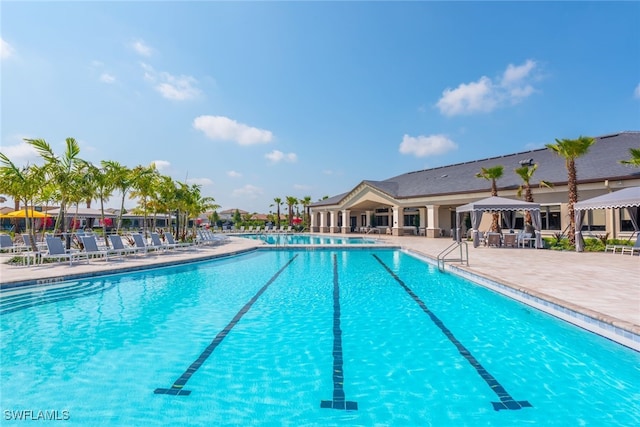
{"x":338,"y":401}
{"x":506,"y":401}
{"x":177,"y":388}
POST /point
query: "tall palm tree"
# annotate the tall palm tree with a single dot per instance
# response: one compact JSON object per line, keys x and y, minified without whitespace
{"x":635,"y":158}
{"x":103,"y":190}
{"x":23,"y":185}
{"x":63,"y":171}
{"x":144,"y":179}
{"x":306,"y":201}
{"x":570,"y":150}
{"x":291,"y":202}
{"x":278,"y":202}
{"x":493,"y":174}
{"x":526,"y":173}
{"x":122,"y":179}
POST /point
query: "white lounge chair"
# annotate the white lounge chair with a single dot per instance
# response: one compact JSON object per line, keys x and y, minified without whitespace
{"x":118,"y":245}
{"x":178,"y":245}
{"x":142,"y":246}
{"x":157,"y":243}
{"x":56,"y":250}
{"x":92,"y":250}
{"x":632,"y":249}
{"x":6,"y":244}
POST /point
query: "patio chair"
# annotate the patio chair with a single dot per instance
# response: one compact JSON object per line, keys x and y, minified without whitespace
{"x":92,"y":250}
{"x":493,"y":239}
{"x":632,"y":249}
{"x":178,"y":245}
{"x":57,"y":251}
{"x":6,"y":244}
{"x":118,"y":245}
{"x":509,"y":240}
{"x":138,"y":240}
{"x":157,"y":243}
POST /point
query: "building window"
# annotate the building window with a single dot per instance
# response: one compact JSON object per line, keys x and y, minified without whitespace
{"x":382,"y":220}
{"x":550,"y":217}
{"x":625,"y":219}
{"x":412,"y":220}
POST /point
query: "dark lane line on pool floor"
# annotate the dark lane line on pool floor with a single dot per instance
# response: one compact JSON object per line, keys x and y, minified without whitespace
{"x":177,"y":388}
{"x":338,"y":401}
{"x":506,"y":401}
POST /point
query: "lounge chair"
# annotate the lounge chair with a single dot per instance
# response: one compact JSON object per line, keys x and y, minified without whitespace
{"x":632,"y":249}
{"x":178,"y":245}
{"x":493,"y":239}
{"x":118,"y":245}
{"x":157,"y":243}
{"x":92,"y":250}
{"x":140,"y":243}
{"x":509,"y":240}
{"x":6,"y":244}
{"x":56,"y":250}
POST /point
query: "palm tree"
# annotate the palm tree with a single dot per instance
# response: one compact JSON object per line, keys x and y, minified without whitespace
{"x":493,"y":174}
{"x":570,"y":150}
{"x":635,"y":158}
{"x":122,"y":179}
{"x":23,"y":185}
{"x":526,"y":173}
{"x":63,"y":171}
{"x":278,"y":202}
{"x":103,"y":190}
{"x":144,"y":178}
{"x":291,"y":201}
{"x":306,"y":201}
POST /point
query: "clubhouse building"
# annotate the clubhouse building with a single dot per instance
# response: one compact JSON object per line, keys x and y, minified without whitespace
{"x":424,"y":202}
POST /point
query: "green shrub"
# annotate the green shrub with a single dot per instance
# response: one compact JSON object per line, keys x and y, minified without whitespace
{"x":593,"y":245}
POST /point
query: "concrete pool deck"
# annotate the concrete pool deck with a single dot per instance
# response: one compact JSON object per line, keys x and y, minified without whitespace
{"x":604,"y":287}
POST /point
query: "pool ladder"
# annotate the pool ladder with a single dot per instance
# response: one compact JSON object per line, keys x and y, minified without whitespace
{"x":464,"y":255}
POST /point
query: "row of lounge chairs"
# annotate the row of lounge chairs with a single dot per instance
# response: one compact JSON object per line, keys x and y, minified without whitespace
{"x":257,"y":229}
{"x":624,"y":249}
{"x":53,"y":248}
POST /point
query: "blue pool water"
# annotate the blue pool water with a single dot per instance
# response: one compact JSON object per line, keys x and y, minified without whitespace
{"x":292,"y":337}
{"x":308,"y":239}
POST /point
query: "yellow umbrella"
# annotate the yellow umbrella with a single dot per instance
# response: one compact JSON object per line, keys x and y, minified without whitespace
{"x":21,"y":214}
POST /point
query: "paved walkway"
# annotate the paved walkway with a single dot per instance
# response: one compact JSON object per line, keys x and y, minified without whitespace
{"x":602,"y":286}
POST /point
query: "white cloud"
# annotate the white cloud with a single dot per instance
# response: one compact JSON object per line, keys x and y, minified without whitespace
{"x":423,"y":146}
{"x":199,"y":181}
{"x":6,"y":50}
{"x":277,"y":156}
{"x":328,"y":172}
{"x":21,"y":154}
{"x":141,"y":48}
{"x":248,"y":191}
{"x":161,"y":165}
{"x":177,"y":88}
{"x":234,"y":174}
{"x":636,"y":93}
{"x":301,"y":187}
{"x":107,"y":78}
{"x":485,"y":95}
{"x":226,"y":129}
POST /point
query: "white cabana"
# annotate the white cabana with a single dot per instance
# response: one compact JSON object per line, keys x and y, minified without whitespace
{"x":627,"y":198}
{"x":500,"y":205}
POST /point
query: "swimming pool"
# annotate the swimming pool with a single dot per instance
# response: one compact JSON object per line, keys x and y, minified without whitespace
{"x":293,"y":337}
{"x":284,"y":239}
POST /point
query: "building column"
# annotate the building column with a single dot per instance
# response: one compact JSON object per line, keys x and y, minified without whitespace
{"x":312,"y":221}
{"x":368,"y":219}
{"x":323,"y":222}
{"x":422,"y":231}
{"x":333,"y":228}
{"x":433,"y":230}
{"x":346,"y":223}
{"x":398,"y":221}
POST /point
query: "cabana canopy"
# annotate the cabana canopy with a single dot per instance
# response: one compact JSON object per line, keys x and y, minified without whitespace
{"x":628,"y":198}
{"x":497,"y":204}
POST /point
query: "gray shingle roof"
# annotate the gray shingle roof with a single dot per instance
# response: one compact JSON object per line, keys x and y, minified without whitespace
{"x":600,"y":163}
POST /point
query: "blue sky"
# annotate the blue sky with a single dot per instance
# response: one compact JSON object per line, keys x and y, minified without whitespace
{"x":257,"y":100}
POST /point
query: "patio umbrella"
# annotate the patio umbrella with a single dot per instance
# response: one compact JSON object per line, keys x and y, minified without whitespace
{"x":21,"y":214}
